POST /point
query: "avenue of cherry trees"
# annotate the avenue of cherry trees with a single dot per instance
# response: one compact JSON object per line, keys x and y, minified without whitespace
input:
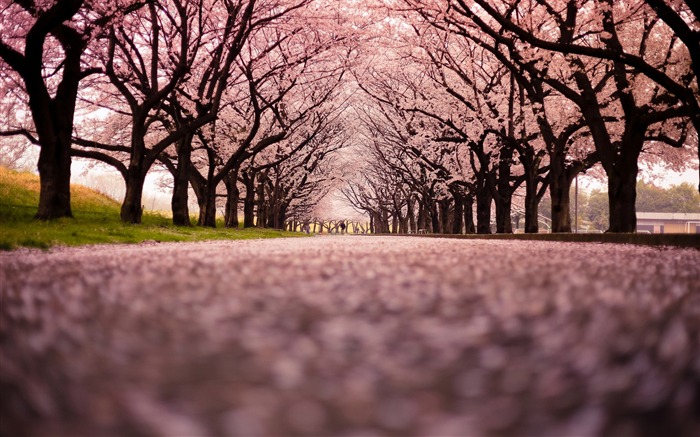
{"x":425,"y":115}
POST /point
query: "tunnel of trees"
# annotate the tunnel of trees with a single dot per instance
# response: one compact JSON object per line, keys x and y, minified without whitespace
{"x":440,"y":116}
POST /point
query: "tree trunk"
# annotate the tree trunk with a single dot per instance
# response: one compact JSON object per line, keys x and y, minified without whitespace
{"x":483,"y":209}
{"x":281,"y":216}
{"x":532,"y":225}
{"x":404,"y":226}
{"x":532,"y":200}
{"x":559,"y":187}
{"x":132,"y":207}
{"x":435,"y":218}
{"x":469,"y":227}
{"x":504,"y":225}
{"x":384,"y":219}
{"x":54,"y":180}
{"x":233,"y":195}
{"x":275,"y":208}
{"x":622,"y":183}
{"x":207,"y":208}
{"x":53,"y":118}
{"x":458,"y":221}
{"x":181,"y":212}
{"x":261,"y":201}
{"x":412,"y":227}
{"x":444,"y":211}
{"x":249,"y":202}
{"x":422,"y":219}
{"x":504,"y":197}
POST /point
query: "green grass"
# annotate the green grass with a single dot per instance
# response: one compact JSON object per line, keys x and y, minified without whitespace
{"x":96,"y":220}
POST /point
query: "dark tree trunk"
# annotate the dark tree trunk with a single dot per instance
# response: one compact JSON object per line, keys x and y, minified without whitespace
{"x":422,"y":219}
{"x":458,"y":221}
{"x":405,"y":226}
{"x":622,"y":183}
{"x":261,"y":201}
{"x":435,"y":218}
{"x":232,"y":198}
{"x":620,"y":163}
{"x":622,"y":197}
{"x":132,"y":207}
{"x":249,"y":201}
{"x":412,"y":227}
{"x":504,"y":224}
{"x":483,"y":208}
{"x":54,"y":132}
{"x":179,"y":203}
{"x":532,"y":225}
{"x":207,"y":202}
{"x":53,"y":117}
{"x":532,"y":191}
{"x":559,"y":187}
{"x":504,"y":197}
{"x":560,"y":194}
{"x":444,"y":206}
{"x":469,"y":227}
{"x":282,"y":217}
{"x":385,"y":221}
{"x":275,"y":213}
{"x":207,"y":208}
{"x":54,"y":181}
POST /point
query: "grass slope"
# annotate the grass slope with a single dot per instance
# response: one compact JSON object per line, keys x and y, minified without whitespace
{"x":96,"y":220}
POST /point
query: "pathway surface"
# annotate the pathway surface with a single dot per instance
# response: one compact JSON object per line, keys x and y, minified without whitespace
{"x":351,"y":336}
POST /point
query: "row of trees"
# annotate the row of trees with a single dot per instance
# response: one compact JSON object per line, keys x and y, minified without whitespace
{"x":241,"y":100}
{"x":461,"y":106}
{"x":503,"y":100}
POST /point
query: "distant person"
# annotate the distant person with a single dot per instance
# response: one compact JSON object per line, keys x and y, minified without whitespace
{"x":306,"y":228}
{"x":342,"y":227}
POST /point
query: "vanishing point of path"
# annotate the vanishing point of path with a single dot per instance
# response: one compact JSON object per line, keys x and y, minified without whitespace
{"x":351,"y":336}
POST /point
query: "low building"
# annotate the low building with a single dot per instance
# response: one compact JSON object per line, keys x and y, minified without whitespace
{"x":668,"y":222}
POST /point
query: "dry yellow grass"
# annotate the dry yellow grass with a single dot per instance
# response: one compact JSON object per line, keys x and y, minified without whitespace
{"x":22,"y":188}
{"x":11,"y":180}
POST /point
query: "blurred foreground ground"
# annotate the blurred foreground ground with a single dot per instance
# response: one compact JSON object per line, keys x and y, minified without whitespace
{"x":351,"y":336}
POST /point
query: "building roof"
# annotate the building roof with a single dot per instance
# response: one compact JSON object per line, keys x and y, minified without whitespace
{"x":689,"y":216}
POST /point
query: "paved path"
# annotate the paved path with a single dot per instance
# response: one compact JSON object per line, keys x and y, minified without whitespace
{"x":351,"y":336}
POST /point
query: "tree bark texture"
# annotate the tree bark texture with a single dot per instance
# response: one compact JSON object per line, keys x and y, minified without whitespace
{"x":179,"y":203}
{"x":249,"y":201}
{"x":484,"y":199}
{"x":469,"y":227}
{"x":132,"y":207}
{"x":232,"y":199}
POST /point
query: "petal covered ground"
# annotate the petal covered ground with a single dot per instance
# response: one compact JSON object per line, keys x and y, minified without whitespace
{"x":351,"y":335}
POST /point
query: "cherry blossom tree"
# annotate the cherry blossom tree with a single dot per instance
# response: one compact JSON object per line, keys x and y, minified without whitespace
{"x":147,"y":55}
{"x":460,"y":104}
{"x":212,"y":76}
{"x":466,"y":99}
{"x":291,"y":187}
{"x":617,"y":36}
{"x":42,"y":44}
{"x":283,"y":96}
